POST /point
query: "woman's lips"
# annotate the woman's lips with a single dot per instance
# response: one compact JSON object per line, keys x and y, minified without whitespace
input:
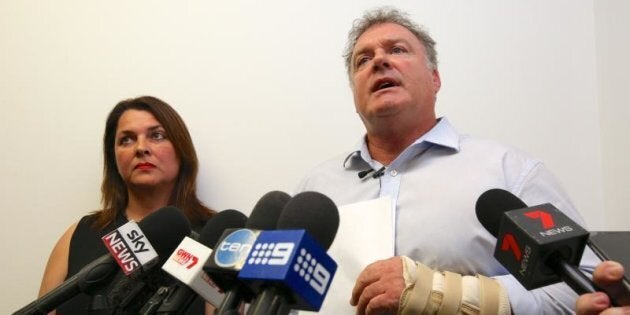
{"x":144,"y":166}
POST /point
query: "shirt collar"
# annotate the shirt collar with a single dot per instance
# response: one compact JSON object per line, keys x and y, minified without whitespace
{"x":442,"y":134}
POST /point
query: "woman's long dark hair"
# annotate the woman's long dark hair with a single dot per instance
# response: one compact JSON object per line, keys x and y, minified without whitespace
{"x":114,"y":188}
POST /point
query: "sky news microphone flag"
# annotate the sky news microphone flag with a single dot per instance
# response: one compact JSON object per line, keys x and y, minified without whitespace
{"x":163,"y":229}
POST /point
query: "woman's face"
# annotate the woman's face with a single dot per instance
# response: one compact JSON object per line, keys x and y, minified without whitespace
{"x":145,"y":156}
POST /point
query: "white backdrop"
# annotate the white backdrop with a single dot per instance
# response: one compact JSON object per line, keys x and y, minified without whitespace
{"x":262,"y":88}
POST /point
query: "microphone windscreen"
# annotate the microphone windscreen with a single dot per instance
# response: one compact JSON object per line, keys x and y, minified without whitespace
{"x":314,"y":212}
{"x":492,"y":204}
{"x":265,"y":214}
{"x":214,"y":228}
{"x":165,"y":228}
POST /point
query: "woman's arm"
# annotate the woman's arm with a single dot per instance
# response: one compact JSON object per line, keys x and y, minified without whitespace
{"x":57,"y":266}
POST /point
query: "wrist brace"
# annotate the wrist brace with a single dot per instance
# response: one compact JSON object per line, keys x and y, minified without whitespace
{"x":448,"y":293}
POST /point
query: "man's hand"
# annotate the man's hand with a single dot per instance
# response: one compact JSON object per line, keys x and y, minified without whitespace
{"x":378,"y":287}
{"x":606,"y":274}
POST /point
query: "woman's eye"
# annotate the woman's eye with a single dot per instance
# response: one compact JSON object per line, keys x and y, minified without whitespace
{"x":158,"y":136}
{"x":124,"y":140}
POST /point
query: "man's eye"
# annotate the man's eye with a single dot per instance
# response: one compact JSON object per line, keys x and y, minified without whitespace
{"x":398,"y":50}
{"x":362,"y":60}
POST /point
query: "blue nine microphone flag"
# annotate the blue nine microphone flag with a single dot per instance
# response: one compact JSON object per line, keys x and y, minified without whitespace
{"x":294,"y":260}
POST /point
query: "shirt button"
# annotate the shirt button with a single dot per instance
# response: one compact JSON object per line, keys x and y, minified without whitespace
{"x":393,"y":173}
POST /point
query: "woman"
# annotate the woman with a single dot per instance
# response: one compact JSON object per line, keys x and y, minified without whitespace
{"x":149,"y":162}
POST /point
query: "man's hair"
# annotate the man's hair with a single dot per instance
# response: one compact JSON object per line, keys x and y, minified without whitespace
{"x":114,"y":188}
{"x":388,"y":15}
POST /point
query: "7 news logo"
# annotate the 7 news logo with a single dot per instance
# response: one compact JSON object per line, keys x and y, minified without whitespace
{"x":528,"y":237}
{"x":509,"y":242}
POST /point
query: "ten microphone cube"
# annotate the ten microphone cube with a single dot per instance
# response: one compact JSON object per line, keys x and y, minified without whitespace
{"x":532,"y":240}
{"x":229,"y":256}
{"x":291,"y":259}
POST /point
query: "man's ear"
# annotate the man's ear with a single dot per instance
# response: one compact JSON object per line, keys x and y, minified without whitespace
{"x":437,"y":82}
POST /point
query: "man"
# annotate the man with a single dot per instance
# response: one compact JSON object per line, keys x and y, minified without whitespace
{"x":607,"y":274}
{"x":433,"y":175}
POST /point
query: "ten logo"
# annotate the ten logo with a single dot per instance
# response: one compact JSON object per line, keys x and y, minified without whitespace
{"x":234,"y":248}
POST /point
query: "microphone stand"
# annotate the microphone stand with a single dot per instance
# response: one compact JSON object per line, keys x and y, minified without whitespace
{"x":231,"y":301}
{"x":269,"y":301}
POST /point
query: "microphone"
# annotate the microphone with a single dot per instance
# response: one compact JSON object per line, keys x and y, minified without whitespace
{"x":377,"y":174}
{"x":136,"y":248}
{"x":314,"y":212}
{"x":539,"y":245}
{"x":230,"y":252}
{"x":186,"y":265}
{"x":289,"y":267}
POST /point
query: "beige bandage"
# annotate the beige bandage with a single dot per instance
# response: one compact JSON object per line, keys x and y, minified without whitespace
{"x":448,"y":293}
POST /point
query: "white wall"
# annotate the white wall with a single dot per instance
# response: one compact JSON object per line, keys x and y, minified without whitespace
{"x":263,"y":90}
{"x":613,"y":47}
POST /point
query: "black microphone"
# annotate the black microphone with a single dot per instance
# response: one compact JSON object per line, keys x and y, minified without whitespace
{"x":230,"y":252}
{"x":266,"y":212}
{"x":377,"y":174}
{"x":539,"y":245}
{"x":318,"y":215}
{"x":314,"y":212}
{"x":163,"y":229}
{"x":177,"y":298}
{"x":214,"y":228}
{"x":364,"y":173}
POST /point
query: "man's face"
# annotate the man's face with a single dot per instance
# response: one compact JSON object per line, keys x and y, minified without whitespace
{"x":391,"y":77}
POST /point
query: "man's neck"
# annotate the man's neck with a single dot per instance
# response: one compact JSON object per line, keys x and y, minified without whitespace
{"x":386,"y":145}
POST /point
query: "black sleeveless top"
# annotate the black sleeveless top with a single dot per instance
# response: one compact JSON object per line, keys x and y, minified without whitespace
{"x":122,"y":295}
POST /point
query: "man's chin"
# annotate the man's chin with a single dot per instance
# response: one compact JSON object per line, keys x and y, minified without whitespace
{"x":386,"y":101}
{"x":385,"y":110}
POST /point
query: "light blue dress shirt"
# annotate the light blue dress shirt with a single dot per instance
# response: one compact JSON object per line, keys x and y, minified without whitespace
{"x":434,"y":185}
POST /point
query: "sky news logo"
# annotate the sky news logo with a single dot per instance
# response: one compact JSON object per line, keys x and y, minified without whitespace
{"x":129,"y":247}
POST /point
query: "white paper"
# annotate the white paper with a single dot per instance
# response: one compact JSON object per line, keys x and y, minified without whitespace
{"x":365,"y":235}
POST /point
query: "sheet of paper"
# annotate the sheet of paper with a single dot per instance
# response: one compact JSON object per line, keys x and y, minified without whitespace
{"x":365,"y":235}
